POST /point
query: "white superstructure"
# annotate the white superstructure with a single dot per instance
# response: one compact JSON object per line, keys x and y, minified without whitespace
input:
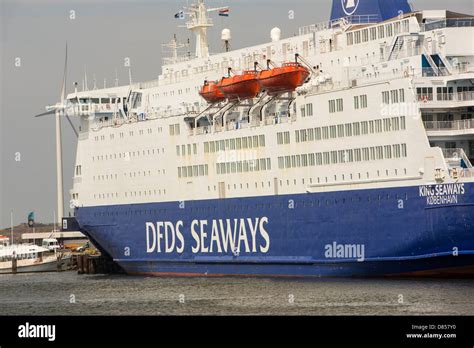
{"x":387,"y":104}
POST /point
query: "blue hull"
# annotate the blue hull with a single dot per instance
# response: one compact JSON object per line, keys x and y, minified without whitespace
{"x":378,"y":232}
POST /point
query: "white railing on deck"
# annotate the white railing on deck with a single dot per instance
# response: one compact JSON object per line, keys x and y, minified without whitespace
{"x":449,"y":125}
{"x":360,"y":19}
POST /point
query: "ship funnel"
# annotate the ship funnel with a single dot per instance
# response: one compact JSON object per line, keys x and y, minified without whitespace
{"x":275,"y":34}
{"x":369,"y":11}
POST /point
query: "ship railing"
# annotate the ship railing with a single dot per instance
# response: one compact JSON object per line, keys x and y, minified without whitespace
{"x":456,"y":158}
{"x":350,"y":20}
{"x":458,"y":125}
{"x":448,"y":23}
{"x":443,"y":97}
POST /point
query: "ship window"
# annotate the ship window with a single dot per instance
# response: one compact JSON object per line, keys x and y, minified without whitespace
{"x":356,"y":128}
{"x":350,"y":39}
{"x":397,"y":28}
{"x":348,"y":127}
{"x":318,"y":133}
{"x":406,"y":26}
{"x":395,"y":123}
{"x":402,"y":122}
{"x":357,"y":37}
{"x":325,"y":132}
{"x":365,"y":35}
{"x":340,"y":131}
{"x":379,"y":152}
{"x":401,"y":94}
{"x":388,"y":151}
{"x":365,"y":127}
{"x":333,"y":132}
{"x":373,"y":33}
{"x":378,"y":126}
{"x":381,"y":32}
{"x":356,"y":102}
{"x":177,"y":150}
{"x":326,"y":158}
{"x":404,"y":150}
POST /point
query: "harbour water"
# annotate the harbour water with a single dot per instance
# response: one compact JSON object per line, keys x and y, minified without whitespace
{"x":68,"y":293}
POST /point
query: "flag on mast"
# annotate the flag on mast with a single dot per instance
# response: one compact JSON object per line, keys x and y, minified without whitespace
{"x":224,"y":12}
{"x":31,"y":219}
{"x":179,"y":15}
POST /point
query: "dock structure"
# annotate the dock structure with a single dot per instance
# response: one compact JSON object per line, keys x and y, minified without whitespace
{"x":96,"y":264}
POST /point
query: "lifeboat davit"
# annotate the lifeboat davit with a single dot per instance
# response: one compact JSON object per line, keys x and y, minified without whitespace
{"x":211,"y":93}
{"x":240,"y":87}
{"x":283,"y":79}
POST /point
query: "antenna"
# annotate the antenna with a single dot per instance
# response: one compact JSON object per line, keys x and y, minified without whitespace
{"x":171,"y":52}
{"x":116,"y":78}
{"x":94,"y":82}
{"x":226,"y":37}
{"x":105,"y":82}
{"x":85,"y":79}
{"x":130,"y":75}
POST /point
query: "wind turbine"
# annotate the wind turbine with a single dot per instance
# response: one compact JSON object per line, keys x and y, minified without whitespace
{"x":60,"y":109}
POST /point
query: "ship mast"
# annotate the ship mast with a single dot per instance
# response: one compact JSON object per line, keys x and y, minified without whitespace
{"x":198,"y":24}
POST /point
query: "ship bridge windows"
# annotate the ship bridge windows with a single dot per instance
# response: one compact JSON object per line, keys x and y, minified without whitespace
{"x":424,"y":93}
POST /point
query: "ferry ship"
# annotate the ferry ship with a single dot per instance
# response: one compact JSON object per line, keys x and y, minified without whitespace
{"x":342,"y":151}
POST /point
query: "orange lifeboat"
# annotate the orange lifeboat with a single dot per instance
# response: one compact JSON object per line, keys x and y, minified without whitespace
{"x":240,"y":87}
{"x":283,"y":79}
{"x":211,"y":93}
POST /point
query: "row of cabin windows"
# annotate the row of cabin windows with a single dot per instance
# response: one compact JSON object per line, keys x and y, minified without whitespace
{"x":283,"y":138}
{"x":181,"y":150}
{"x":394,"y":96}
{"x":246,"y":166}
{"x":165,"y":94}
{"x":351,"y":129}
{"x":130,"y":175}
{"x":144,"y":193}
{"x":193,"y":171}
{"x":307,"y":110}
{"x":360,"y":101}
{"x":336,"y":105}
{"x":128,"y":155}
{"x":174,"y":129}
{"x":235,"y":144}
{"x":130,"y":133}
{"x":343,"y":156}
{"x":379,"y":32}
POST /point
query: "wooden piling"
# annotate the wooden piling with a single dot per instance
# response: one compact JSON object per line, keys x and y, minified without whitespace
{"x":14,"y":265}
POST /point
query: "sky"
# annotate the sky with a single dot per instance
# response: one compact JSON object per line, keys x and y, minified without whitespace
{"x":100,"y":35}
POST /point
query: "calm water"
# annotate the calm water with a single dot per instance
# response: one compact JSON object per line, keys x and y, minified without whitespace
{"x":52,"y":294}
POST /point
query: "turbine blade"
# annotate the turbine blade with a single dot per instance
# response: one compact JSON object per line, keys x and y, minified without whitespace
{"x":46,"y":113}
{"x":72,"y":126}
{"x":63,"y":88}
